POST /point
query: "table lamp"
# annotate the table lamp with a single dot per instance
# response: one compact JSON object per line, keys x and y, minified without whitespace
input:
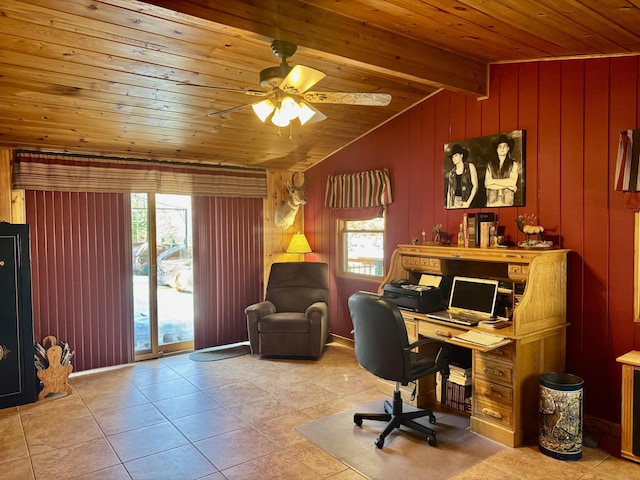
{"x":299,"y":245}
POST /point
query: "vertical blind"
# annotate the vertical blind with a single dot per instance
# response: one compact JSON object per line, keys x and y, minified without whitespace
{"x":81,"y":274}
{"x":227,"y":267}
{"x":82,"y":271}
{"x":82,"y":251}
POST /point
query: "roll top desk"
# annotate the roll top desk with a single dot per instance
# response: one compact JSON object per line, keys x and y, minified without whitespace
{"x":505,"y":381}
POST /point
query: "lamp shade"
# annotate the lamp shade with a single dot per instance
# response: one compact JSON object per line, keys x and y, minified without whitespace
{"x":299,"y":244}
{"x":263,"y":109}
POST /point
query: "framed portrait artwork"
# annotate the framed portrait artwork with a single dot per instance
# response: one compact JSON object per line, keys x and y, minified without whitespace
{"x":485,"y":171}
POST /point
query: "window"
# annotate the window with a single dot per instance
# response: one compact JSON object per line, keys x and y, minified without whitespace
{"x":362,"y":247}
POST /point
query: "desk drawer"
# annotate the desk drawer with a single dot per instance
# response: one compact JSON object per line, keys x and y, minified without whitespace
{"x":494,"y":412}
{"x":415,"y":263}
{"x":436,"y":330}
{"x":493,"y":392}
{"x":492,"y":371}
{"x":503,"y":353}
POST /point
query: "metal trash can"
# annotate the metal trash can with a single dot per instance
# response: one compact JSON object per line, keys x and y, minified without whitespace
{"x":561,"y":407}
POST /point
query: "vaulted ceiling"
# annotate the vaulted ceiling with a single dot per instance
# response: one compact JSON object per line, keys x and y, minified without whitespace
{"x":164,"y":79}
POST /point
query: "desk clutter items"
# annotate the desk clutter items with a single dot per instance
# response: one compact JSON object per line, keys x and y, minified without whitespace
{"x":494,"y":324}
{"x":528,"y":225}
{"x":483,"y":339}
{"x":52,"y":359}
{"x":439,"y":237}
{"x":479,"y":230}
{"x":458,"y":389}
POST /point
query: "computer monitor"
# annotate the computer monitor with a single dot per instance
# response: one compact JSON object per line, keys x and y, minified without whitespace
{"x":473,"y":295}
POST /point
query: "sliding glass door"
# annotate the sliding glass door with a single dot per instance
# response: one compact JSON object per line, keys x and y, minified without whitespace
{"x":162,"y":274}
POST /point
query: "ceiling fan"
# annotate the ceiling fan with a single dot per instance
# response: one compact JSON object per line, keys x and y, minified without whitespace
{"x":286,"y":94}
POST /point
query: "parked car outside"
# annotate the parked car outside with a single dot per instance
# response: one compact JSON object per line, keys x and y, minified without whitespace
{"x":141,"y":259}
{"x":172,"y":263}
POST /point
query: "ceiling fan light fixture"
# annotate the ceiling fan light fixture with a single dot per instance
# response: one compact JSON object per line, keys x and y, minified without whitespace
{"x":289,"y":108}
{"x":304,"y":113}
{"x":279,"y":119}
{"x":263,"y":109}
{"x":286,"y":95}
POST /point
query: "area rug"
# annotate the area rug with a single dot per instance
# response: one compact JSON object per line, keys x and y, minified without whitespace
{"x":220,"y":353}
{"x":406,"y":454}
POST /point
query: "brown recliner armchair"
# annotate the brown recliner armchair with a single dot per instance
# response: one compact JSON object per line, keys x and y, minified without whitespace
{"x":293,"y":319}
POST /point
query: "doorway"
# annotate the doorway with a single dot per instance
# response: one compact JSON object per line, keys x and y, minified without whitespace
{"x":162,"y":274}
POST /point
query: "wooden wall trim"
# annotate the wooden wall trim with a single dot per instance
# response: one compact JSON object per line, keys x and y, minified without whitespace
{"x":276,"y":238}
{"x":5,"y":185}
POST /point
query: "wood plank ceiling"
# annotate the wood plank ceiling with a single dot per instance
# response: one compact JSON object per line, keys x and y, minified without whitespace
{"x":117,"y":77}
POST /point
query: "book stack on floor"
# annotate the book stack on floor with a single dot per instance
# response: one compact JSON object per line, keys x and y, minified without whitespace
{"x":458,"y":389}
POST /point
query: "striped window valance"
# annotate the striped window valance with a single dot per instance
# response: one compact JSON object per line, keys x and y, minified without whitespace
{"x":362,"y":190}
{"x":71,"y":173}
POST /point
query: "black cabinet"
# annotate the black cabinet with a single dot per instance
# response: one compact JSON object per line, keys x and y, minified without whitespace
{"x":17,"y":371}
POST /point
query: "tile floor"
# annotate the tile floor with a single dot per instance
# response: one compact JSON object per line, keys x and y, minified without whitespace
{"x":174,"y":418}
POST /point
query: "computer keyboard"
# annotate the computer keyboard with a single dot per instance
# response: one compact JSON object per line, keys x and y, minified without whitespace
{"x":459,"y":318}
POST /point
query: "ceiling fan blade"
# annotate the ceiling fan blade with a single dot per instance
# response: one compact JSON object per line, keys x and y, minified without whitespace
{"x":349,"y":98}
{"x":228,"y":110}
{"x":300,"y":79}
{"x":253,"y":93}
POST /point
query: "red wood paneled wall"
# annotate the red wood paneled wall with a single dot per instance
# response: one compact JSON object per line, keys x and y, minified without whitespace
{"x":81,"y":274}
{"x":572,"y":112}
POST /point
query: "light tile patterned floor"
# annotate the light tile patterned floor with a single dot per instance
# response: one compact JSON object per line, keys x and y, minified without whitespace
{"x":177,"y":419}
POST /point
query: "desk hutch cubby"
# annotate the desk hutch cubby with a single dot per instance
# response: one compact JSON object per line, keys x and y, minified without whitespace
{"x":505,"y":379}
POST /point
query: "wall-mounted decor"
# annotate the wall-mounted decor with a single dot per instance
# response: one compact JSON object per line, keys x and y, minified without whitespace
{"x":485,"y":171}
{"x":627,"y":178}
{"x":286,"y":211}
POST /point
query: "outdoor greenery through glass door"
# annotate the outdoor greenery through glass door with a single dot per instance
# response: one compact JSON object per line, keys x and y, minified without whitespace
{"x":162,"y":273}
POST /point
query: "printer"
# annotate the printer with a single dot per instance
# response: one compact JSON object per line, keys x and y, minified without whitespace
{"x":424,"y":297}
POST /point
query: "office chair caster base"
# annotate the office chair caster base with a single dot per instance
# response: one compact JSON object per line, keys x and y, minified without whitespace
{"x":357,"y":420}
{"x":432,"y":440}
{"x":379,"y":442}
{"x":432,"y":419}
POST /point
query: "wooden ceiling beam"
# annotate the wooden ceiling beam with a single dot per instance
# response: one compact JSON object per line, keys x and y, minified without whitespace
{"x":348,"y":39}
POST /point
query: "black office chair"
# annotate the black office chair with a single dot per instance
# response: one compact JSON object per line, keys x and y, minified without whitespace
{"x":382,"y":348}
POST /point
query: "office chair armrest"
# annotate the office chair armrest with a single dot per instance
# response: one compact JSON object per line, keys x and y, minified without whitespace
{"x":422,"y":341}
{"x":441,"y":360}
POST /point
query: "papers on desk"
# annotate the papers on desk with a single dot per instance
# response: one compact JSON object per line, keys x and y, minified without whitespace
{"x":483,"y":339}
{"x":427,"y":280}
